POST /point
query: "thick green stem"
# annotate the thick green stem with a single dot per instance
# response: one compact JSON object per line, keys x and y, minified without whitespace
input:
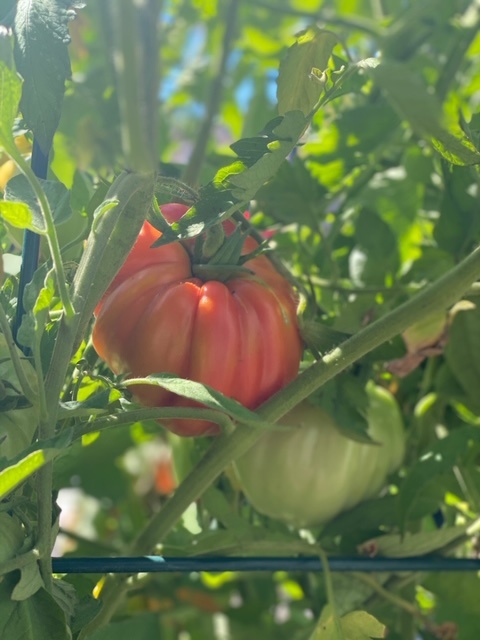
{"x":156,"y":413}
{"x":404,"y":605}
{"x":133,"y":32}
{"x":106,"y":249}
{"x":439,"y":295}
{"x":44,"y":486}
{"x":113,"y":238}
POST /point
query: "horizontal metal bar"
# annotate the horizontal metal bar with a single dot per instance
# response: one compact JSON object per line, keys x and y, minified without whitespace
{"x":154,"y":564}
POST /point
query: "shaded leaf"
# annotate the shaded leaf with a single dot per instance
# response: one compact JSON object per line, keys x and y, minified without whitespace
{"x":395,"y":545}
{"x":37,"y":618}
{"x":462,"y":352}
{"x":65,"y":596}
{"x":30,"y":582}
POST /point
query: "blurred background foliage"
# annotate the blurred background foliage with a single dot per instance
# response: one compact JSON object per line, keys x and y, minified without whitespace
{"x":365,"y":212}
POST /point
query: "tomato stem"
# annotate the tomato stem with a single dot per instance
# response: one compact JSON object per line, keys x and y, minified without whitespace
{"x":154,"y":413}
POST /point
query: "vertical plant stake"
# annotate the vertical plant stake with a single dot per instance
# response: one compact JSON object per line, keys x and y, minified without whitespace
{"x":31,"y":241}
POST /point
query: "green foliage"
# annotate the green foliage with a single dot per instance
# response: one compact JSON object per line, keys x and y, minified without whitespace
{"x":363,"y":180}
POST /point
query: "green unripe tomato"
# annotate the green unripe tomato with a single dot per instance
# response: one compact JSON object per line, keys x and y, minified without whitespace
{"x":310,"y":473}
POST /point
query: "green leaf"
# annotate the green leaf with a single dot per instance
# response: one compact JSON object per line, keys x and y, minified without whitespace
{"x":462,"y":352}
{"x":373,"y":514}
{"x":459,"y":222}
{"x":357,"y":625}
{"x":395,"y":545}
{"x":30,"y":582}
{"x":298,"y":85}
{"x":37,"y":299}
{"x":30,"y":461}
{"x":87,"y":608}
{"x":218,"y":506}
{"x":19,"y":215}
{"x":201,"y":393}
{"x":375,"y":257}
{"x":18,"y":189}
{"x":37,"y":618}
{"x":41,"y":57}
{"x":346,"y":399}
{"x":66,"y":597}
{"x":360,"y":625}
{"x":292,"y":195}
{"x":287,"y":133}
{"x":10,"y":91}
{"x":422,"y":111}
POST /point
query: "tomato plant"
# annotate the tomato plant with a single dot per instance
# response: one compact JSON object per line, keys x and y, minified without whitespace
{"x":354,"y":146}
{"x":310,"y":472}
{"x":239,"y":336}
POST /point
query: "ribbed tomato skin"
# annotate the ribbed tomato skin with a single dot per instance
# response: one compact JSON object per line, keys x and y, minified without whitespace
{"x":240,"y":336}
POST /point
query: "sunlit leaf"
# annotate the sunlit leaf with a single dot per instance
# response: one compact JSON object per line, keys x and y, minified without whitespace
{"x":200,"y":393}
{"x":299,"y":86}
{"x":19,"y":215}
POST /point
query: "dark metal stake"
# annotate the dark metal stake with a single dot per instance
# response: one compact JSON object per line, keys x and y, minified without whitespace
{"x":159,"y":564}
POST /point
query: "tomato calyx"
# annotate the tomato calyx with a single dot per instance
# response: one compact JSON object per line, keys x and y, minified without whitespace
{"x":220,"y":272}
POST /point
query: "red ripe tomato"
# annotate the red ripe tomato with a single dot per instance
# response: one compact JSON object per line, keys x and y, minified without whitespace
{"x":240,"y":336}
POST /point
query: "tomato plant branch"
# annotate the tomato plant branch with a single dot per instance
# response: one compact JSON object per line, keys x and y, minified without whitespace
{"x":439,"y":295}
{"x":154,"y":413}
{"x":108,"y":245}
{"x":51,"y":232}
{"x":19,"y":562}
{"x":327,"y":576}
{"x":192,"y":170}
{"x":44,"y":484}
{"x":396,"y":600}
